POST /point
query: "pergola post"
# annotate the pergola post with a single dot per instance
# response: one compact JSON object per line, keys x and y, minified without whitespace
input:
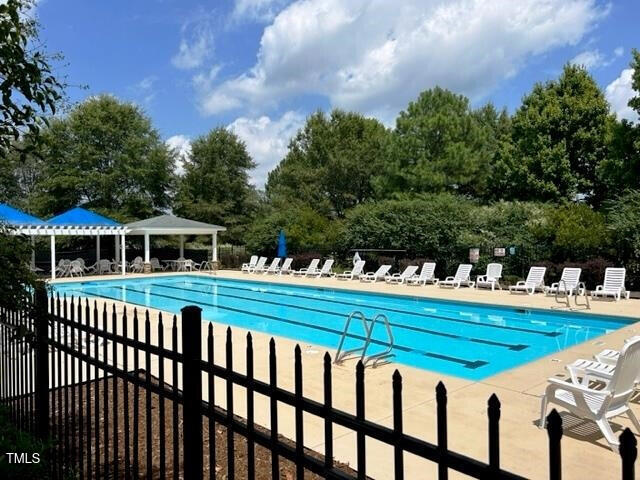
{"x":214,"y":247}
{"x":117,"y":242}
{"x":33,"y":252}
{"x":123,"y":254}
{"x":53,"y":257}
{"x":147,"y":252}
{"x":97,"y":248}
{"x":181,"y":246}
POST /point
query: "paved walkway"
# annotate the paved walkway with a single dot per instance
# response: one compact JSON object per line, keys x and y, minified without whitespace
{"x":523,"y":445}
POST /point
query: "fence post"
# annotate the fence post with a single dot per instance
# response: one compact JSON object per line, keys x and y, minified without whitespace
{"x":493,"y":412}
{"x":42,"y":361}
{"x":554,"y":430}
{"x":192,"y":392}
{"x":628,"y":452}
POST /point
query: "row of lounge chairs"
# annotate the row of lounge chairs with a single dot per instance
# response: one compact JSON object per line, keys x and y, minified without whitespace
{"x":619,"y":371}
{"x":568,"y":285}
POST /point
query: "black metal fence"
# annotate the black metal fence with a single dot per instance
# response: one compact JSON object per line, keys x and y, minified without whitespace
{"x":73,"y":374}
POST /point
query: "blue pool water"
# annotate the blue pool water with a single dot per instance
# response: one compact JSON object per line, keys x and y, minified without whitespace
{"x":467,"y":340}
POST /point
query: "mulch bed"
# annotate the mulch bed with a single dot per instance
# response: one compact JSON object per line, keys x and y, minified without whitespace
{"x":262,"y":455}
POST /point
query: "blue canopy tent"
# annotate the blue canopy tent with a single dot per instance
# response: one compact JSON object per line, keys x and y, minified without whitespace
{"x":282,"y":245}
{"x":17,"y":218}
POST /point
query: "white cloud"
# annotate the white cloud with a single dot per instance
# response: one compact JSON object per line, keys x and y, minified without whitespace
{"x":589,"y":59}
{"x":144,"y":90}
{"x":195,"y":47}
{"x":267,"y":140}
{"x":182,"y":146}
{"x":592,"y":59}
{"x":618,"y":94}
{"x":376,"y":55}
{"x":257,"y":10}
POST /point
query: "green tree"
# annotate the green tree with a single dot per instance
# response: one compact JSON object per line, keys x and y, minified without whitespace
{"x":28,"y":88}
{"x":623,"y":216}
{"x":621,"y":169}
{"x":331,"y":162}
{"x":440,"y":145}
{"x":559,"y":137}
{"x":107,"y":156}
{"x":215,"y":187}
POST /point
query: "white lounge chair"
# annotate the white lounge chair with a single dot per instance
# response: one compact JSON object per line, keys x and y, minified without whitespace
{"x":426,"y":275}
{"x":599,"y":405}
{"x":136,"y":266}
{"x":534,"y":281}
{"x":259,"y":266}
{"x":76,"y":268}
{"x":491,"y":278}
{"x":460,"y":278}
{"x":611,"y":356}
{"x":568,"y":284}
{"x":285,"y":269}
{"x":272,"y":268}
{"x":246,"y":267}
{"x":313,"y":266}
{"x":324,"y":271}
{"x":358,"y":268}
{"x":400,"y":278}
{"x":613,"y":285}
{"x":380,"y":274}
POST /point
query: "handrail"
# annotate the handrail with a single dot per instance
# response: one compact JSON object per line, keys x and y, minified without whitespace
{"x":375,"y":358}
{"x":582,"y":287}
{"x":381,"y":356}
{"x":564,"y":290}
{"x":340,"y":355}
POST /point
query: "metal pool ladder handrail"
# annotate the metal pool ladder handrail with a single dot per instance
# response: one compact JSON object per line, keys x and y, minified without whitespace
{"x":376,"y":357}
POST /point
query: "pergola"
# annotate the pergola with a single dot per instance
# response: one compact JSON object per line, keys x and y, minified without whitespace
{"x":172,"y":225}
{"x":76,"y":221}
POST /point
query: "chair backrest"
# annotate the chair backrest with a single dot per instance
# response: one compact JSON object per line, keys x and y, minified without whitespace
{"x":358,"y":268}
{"x":625,"y":374}
{"x":287,"y":264}
{"x":409,"y":272}
{"x":80,"y":261}
{"x":570,"y":277}
{"x":494,"y":271}
{"x":313,"y":266}
{"x":428,"y":269}
{"x":614,"y":278}
{"x":106,"y":263}
{"x":253,"y":260}
{"x":76,"y":266}
{"x":382,"y":271}
{"x":536,"y":276}
{"x":139,"y":260}
{"x":328,"y":264}
{"x":155,"y":262}
{"x":274,"y":263}
{"x":463,"y":271}
{"x":261,"y":262}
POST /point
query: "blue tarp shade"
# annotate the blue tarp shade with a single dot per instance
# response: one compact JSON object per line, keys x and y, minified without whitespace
{"x":13,"y":216}
{"x":282,"y":245}
{"x":81,"y":216}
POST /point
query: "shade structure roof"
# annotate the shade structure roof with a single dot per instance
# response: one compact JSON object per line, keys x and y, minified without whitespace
{"x":13,"y":216}
{"x":80,"y":216}
{"x":172,"y":225}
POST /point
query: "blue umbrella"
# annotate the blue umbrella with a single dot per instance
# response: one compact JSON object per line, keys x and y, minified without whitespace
{"x":282,"y":245}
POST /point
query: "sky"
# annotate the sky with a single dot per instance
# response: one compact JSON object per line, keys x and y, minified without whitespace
{"x":260,"y":67}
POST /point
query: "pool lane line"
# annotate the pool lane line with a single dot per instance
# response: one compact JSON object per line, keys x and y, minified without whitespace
{"x":395,"y":310}
{"x":465,"y":363}
{"x":510,"y":346}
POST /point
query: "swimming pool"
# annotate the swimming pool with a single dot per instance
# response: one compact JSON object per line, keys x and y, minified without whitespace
{"x":467,"y":340}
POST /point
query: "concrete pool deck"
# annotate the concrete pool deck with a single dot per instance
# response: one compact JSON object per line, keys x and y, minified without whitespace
{"x":585,"y":454}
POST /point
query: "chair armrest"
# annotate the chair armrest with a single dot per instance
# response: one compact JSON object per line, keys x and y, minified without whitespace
{"x":573,"y":387}
{"x":449,"y":279}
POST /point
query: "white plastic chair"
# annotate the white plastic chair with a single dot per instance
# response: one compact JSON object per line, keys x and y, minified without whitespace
{"x":568,"y":284}
{"x":491,"y":278}
{"x":324,"y":271}
{"x":613,"y":285}
{"x":599,"y":405}
{"x":274,"y":267}
{"x":313,"y":266}
{"x":460,"y":278}
{"x":534,"y":281}
{"x":426,"y":275}
{"x":246,"y":267}
{"x":286,"y":267}
{"x":380,"y":274}
{"x":258,"y":267}
{"x":400,"y":278}
{"x":357,"y":270}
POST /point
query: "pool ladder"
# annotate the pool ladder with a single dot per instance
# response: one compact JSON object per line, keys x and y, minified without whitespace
{"x":375,"y":359}
{"x":581,"y":290}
